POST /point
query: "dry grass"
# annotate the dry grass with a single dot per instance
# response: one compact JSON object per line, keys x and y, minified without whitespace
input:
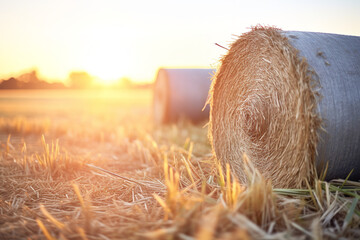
{"x":162,"y":183}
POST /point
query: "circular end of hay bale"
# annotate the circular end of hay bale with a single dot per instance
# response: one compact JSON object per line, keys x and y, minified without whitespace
{"x":263,"y":104}
{"x":161,"y":98}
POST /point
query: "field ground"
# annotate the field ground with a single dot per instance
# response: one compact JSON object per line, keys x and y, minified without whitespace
{"x":162,"y":181}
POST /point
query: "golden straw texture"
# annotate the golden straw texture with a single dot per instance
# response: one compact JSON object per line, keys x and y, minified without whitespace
{"x":263,"y":103}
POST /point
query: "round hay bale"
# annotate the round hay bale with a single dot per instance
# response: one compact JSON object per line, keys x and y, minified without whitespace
{"x":181,"y":93}
{"x":291,"y":102}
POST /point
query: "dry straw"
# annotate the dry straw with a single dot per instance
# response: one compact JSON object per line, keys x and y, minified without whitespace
{"x":263,"y":104}
{"x":160,"y":189}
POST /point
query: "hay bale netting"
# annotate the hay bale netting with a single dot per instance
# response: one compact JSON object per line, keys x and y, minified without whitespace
{"x":181,"y":93}
{"x":290,"y":101}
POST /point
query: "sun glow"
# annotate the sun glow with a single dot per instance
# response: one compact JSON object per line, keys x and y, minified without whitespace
{"x":114,"y":39}
{"x":104,"y":54}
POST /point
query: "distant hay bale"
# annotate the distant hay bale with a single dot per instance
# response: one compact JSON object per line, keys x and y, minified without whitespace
{"x":181,"y":93}
{"x":291,"y":102}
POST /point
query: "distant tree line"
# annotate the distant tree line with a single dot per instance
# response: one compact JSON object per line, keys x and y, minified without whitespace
{"x":76,"y":80}
{"x":80,"y":80}
{"x":29,"y":81}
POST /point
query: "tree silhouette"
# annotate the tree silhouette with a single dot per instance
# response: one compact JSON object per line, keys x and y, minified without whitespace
{"x":125,"y":82}
{"x":80,"y":80}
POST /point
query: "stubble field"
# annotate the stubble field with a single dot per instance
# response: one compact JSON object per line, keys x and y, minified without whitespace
{"x":92,"y":165}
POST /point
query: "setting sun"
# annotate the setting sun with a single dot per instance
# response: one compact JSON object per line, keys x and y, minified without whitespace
{"x":105,"y":55}
{"x":115,"y":39}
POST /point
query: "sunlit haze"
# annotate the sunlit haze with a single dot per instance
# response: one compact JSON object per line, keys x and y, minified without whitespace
{"x":115,"y":39}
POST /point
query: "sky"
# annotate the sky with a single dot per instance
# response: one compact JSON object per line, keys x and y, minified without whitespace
{"x":112,"y":39}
